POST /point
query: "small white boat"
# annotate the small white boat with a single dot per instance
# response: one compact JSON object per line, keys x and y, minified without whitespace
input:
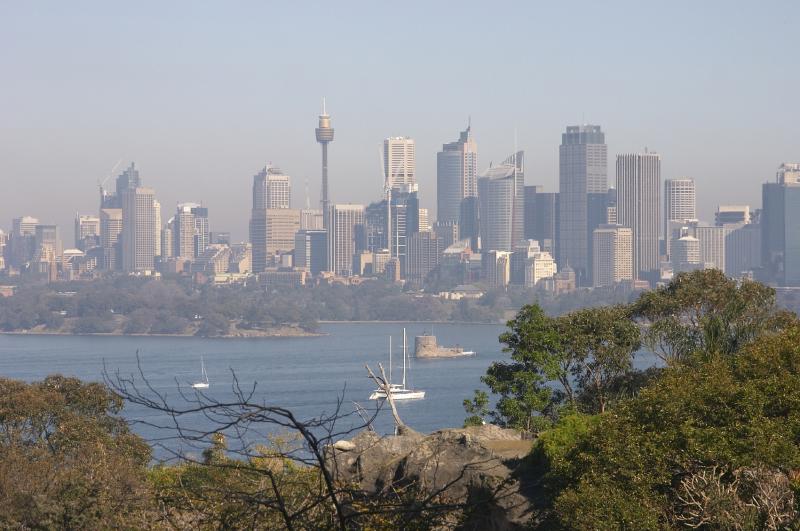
{"x":398,"y":391}
{"x":203,"y":383}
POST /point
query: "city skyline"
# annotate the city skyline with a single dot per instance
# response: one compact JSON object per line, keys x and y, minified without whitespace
{"x":208,"y":112}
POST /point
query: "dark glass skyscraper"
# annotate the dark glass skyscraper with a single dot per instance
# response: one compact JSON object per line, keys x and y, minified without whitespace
{"x":583,"y":170}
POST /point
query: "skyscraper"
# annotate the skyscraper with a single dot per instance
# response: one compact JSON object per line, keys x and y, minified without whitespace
{"x":311,"y":250}
{"x":190,"y":231}
{"x":424,"y":250}
{"x":271,"y":188}
{"x":324,"y":137}
{"x":583,"y":170}
{"x":342,"y":221}
{"x":456,"y":176}
{"x":638,"y":187}
{"x":87,"y":232}
{"x":541,"y":217}
{"x":780,"y":227}
{"x":680,"y":205}
{"x":496,"y":196}
{"x":400,"y":163}
{"x":110,"y":232}
{"x":138,"y":230}
{"x":612,"y":256}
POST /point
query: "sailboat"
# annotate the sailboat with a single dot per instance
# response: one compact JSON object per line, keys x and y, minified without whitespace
{"x":203,"y":383}
{"x":398,"y":391}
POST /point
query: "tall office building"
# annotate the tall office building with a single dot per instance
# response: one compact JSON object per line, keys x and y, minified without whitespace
{"x":424,"y":252}
{"x":400,"y":163}
{"x":612,"y":256}
{"x":780,"y":227}
{"x":496,"y":196}
{"x":311,"y":250}
{"x":501,"y":194}
{"x":87,"y":232}
{"x":342,"y":222}
{"x":456,"y":176}
{"x":157,"y":235}
{"x":638,"y":202}
{"x":110,"y":232}
{"x":712,"y":245}
{"x":685,"y":255}
{"x":271,"y":189}
{"x":541,"y":217}
{"x":138,"y":230}
{"x":732,"y":215}
{"x":324,"y":134}
{"x":311,"y":219}
{"x":190,"y":228}
{"x":582,"y":173}
{"x":496,"y":267}
{"x":469,"y":225}
{"x":48,"y":244}
{"x":742,"y":250}
{"x":680,"y":205}
{"x":404,"y":222}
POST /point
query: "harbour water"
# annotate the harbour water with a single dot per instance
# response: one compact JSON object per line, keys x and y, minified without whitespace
{"x":307,"y":375}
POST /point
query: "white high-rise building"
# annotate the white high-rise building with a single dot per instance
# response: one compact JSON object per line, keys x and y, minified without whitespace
{"x":680,"y":205}
{"x":400,"y":163}
{"x":424,"y":220}
{"x":539,"y":267}
{"x":712,"y":245}
{"x":638,"y":206}
{"x":138,"y":230}
{"x":686,"y":254}
{"x":157,"y":236}
{"x":342,"y":220}
{"x":271,"y":189}
{"x":456,"y":176}
{"x":612,"y":255}
{"x":87,"y":232}
{"x":501,"y":195}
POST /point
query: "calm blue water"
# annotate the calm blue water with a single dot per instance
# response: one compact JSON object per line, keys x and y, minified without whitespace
{"x":306,"y":375}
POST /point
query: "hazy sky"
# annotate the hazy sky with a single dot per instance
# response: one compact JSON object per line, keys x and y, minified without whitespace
{"x":202,"y":94}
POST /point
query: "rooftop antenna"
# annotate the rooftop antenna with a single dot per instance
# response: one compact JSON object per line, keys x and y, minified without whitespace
{"x":323,"y":106}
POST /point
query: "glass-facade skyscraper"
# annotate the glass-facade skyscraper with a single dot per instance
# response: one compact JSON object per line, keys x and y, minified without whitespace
{"x":583,"y":170}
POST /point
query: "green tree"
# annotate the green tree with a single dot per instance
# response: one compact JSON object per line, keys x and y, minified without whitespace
{"x":67,"y":461}
{"x":477,"y":408}
{"x":537,"y":357}
{"x":705,"y":312}
{"x":600,"y":344}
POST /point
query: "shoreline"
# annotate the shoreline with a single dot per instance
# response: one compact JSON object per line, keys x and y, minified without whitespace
{"x":120,"y":334}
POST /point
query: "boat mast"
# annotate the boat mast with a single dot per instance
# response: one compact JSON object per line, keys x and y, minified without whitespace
{"x":390,"y":358}
{"x":404,"y":358}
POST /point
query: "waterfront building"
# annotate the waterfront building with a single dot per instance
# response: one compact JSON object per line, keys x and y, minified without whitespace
{"x":582,"y":185}
{"x":456,"y":176}
{"x":638,"y":187}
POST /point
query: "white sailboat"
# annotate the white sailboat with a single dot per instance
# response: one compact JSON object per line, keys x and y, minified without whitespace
{"x":203,"y":383}
{"x":398,"y":391}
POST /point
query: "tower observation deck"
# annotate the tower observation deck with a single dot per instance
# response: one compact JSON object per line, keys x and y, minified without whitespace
{"x":324,"y":137}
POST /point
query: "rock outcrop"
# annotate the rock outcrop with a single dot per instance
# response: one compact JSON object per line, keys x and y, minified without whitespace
{"x":474,"y":467}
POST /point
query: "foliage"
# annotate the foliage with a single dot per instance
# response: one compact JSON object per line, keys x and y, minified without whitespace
{"x":477,"y":408}
{"x":738,"y":412}
{"x":67,"y":460}
{"x":704,"y":312}
{"x":537,"y":355}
